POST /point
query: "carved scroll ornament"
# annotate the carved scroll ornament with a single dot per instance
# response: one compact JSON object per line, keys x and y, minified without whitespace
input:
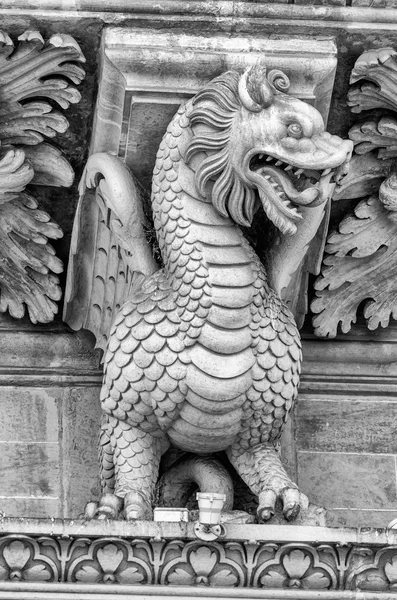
{"x":29,"y":74}
{"x":202,"y":355}
{"x":361,"y":256}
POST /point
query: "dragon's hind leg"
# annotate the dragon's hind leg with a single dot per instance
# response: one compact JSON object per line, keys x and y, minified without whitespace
{"x":130,"y":461}
{"x":106,"y":459}
{"x":261,"y":469}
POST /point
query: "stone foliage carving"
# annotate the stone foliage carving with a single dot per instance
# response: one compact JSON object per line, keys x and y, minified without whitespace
{"x":361,"y":256}
{"x":118,"y":561}
{"x":32,"y":75}
{"x":203,"y":355}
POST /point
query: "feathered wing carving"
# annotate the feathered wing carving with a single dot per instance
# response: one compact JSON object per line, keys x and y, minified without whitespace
{"x":361,"y":264}
{"x":292,"y":259}
{"x":109,"y":246}
{"x":29,"y":74}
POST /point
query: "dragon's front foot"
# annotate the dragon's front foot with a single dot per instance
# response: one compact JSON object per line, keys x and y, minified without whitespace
{"x":134,"y":504}
{"x":292,"y":500}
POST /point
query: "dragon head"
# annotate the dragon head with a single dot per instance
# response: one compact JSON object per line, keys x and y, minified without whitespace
{"x":251,"y":142}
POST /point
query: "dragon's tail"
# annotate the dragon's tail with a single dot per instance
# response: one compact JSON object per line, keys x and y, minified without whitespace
{"x":176,"y":485}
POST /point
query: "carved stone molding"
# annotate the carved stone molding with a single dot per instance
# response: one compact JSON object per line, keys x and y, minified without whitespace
{"x":165,"y":559}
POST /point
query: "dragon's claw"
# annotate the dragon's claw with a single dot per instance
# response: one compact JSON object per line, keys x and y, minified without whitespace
{"x":291,"y":498}
{"x":136,"y":507}
{"x":109,"y":507}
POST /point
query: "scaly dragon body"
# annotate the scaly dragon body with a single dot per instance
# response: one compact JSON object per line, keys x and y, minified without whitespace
{"x":203,"y":355}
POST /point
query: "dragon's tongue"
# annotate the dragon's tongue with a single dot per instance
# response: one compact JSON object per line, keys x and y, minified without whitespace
{"x":277,"y":211}
{"x":303,"y":197}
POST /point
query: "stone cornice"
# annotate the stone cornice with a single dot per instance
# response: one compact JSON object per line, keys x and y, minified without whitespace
{"x":222,"y":14}
{"x":59,"y":559}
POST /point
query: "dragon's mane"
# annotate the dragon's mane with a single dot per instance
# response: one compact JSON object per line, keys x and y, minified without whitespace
{"x":216,"y":106}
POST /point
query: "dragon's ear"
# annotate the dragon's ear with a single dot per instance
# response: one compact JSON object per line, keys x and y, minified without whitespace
{"x":254,"y":89}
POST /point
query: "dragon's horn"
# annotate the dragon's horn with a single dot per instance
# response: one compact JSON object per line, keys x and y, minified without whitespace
{"x":254,"y":89}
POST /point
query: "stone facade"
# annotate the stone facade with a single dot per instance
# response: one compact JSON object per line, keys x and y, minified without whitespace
{"x":339,"y":446}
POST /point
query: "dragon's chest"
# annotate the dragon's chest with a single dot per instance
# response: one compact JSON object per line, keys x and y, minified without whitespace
{"x":206,"y":425}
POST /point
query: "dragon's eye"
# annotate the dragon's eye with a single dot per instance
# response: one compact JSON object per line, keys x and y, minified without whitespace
{"x":295,"y":130}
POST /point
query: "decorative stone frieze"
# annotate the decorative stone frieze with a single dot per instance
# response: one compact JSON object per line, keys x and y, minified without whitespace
{"x":165,"y":559}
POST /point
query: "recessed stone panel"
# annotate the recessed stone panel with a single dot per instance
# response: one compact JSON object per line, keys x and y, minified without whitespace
{"x":342,"y":480}
{"x":28,"y":415}
{"x":33,"y":508}
{"x":81,"y":417}
{"x":359,"y":518}
{"x":346,"y":425}
{"x":29,"y":470}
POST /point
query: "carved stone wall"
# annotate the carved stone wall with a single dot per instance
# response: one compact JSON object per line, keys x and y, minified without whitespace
{"x":341,"y":444}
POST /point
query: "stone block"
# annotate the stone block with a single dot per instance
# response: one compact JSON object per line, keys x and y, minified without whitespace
{"x":342,"y":480}
{"x":321,"y":2}
{"x":28,"y":415}
{"x":33,"y":508}
{"x":350,"y":424}
{"x":359,"y":518}
{"x":80,"y":429}
{"x":30,"y":470}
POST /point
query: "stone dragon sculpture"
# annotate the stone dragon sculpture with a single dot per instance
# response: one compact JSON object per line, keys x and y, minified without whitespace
{"x":202,"y":354}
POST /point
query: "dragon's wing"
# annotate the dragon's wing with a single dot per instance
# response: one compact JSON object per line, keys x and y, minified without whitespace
{"x":109,"y":246}
{"x":292,"y":258}
{"x":29,"y":74}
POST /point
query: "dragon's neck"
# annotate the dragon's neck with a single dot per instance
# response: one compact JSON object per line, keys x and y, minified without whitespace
{"x":215,"y":274}
{"x":189,"y":229}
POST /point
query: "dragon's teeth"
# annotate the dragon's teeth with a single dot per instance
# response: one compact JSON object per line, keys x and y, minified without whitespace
{"x":269,"y":158}
{"x":298,"y":172}
{"x":278,"y":163}
{"x":260,"y":156}
{"x":326,"y":171}
{"x":288,"y":168}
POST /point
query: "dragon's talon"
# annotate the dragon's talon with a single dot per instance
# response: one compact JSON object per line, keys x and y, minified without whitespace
{"x":91,"y":510}
{"x":109,"y":507}
{"x":136,"y":507}
{"x":267,"y":504}
{"x":293,"y":502}
{"x":290,"y":498}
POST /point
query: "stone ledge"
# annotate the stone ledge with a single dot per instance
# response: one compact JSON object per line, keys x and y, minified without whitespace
{"x":60,"y":559}
{"x":328,"y":14}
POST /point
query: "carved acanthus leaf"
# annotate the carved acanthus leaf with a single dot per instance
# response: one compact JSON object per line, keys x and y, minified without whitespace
{"x":361,"y":265}
{"x":362,"y":261}
{"x":365,"y":175}
{"x":28,"y":259}
{"x":31,"y":74}
{"x":373,"y":135}
{"x":379,"y":70}
{"x":15,"y":173}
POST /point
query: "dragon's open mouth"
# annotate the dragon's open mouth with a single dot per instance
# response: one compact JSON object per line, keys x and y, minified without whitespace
{"x":283,"y":187}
